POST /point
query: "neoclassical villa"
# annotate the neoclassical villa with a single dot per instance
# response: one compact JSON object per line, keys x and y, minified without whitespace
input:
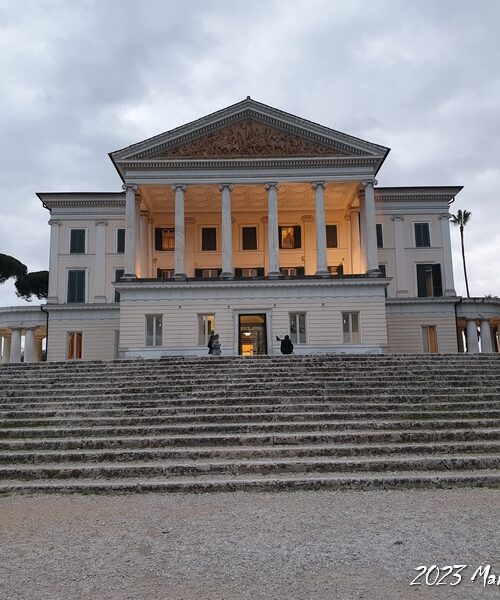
{"x":252,"y":223}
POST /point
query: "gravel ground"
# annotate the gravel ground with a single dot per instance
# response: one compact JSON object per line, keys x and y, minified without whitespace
{"x":242,"y":546}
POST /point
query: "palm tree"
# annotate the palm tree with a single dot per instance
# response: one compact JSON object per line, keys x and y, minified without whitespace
{"x":461,"y":219}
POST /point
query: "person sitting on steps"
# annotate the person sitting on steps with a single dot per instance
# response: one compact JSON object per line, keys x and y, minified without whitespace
{"x":286,"y":345}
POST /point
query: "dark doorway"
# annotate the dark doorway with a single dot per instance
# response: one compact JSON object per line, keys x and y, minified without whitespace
{"x":252,"y":335}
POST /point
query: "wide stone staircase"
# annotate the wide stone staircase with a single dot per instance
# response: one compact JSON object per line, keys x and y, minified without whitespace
{"x":264,"y":423}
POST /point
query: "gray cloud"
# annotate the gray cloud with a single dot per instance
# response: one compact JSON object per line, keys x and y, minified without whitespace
{"x":82,"y":79}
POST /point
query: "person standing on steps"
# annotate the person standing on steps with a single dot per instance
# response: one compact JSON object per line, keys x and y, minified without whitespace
{"x":216,"y":348}
{"x":286,"y":345}
{"x":210,"y":343}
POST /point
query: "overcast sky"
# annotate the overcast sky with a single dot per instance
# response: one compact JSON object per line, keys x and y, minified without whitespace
{"x":81,"y":78}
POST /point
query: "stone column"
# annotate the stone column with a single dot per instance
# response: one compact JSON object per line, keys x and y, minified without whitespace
{"x":399,"y":248}
{"x":144,"y":218}
{"x":370,"y":228}
{"x":6,"y":349}
{"x":29,"y":345}
{"x":15,"y":348}
{"x":356,"y":244}
{"x":227,"y":231}
{"x":39,"y":347}
{"x":55,"y":227}
{"x":272,"y":230}
{"x":498,"y":337}
{"x":448,"y":285}
{"x":180,"y":236}
{"x":321,"y":260}
{"x":100,"y":262}
{"x":130,"y":231}
{"x":472,"y":340}
{"x":486,"y":340}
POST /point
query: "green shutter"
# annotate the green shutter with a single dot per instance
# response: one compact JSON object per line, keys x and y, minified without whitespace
{"x":297,"y":237}
{"x":436,"y":280}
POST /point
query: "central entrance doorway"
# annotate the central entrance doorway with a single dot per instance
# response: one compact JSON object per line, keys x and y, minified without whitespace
{"x":252,"y":335}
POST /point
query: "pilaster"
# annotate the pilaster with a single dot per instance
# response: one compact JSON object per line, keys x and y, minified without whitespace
{"x":100,"y":262}
{"x":399,"y":250}
{"x":449,"y":286}
{"x":55,"y":228}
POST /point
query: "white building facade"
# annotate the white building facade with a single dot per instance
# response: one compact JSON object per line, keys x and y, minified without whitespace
{"x":251,"y":223}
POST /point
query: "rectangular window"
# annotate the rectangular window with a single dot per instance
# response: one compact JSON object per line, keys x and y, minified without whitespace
{"x":292,"y":271}
{"x":298,"y":328}
{"x":429,"y":338}
{"x":208,"y":239}
{"x":165,"y":273}
{"x":429,"y":281}
{"x":154,"y":324}
{"x":289,"y":237}
{"x":206,"y":328}
{"x":76,"y":285}
{"x":422,"y":235}
{"x":331,"y":236}
{"x":249,"y":238}
{"x":77,"y":241}
{"x":380,"y":236}
{"x":118,"y":275}
{"x":164,"y":239}
{"x":350,"y":327}
{"x":120,"y":241}
{"x":75,"y":339}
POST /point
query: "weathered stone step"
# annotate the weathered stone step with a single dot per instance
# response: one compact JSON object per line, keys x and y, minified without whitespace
{"x":203,"y":412}
{"x":124,"y":455}
{"x":238,"y":467}
{"x":274,"y":482}
{"x":258,"y":439}
{"x":244,"y":417}
{"x":247,"y":427}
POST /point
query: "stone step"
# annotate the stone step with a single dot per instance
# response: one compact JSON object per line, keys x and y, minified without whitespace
{"x":246,"y":427}
{"x":259,"y":439}
{"x":124,"y":455}
{"x":246,"y":417}
{"x":238,"y":467}
{"x":271,"y":482}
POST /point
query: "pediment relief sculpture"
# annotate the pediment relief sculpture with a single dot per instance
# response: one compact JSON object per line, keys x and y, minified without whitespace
{"x":249,"y":139}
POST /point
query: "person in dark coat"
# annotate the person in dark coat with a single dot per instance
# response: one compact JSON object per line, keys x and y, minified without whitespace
{"x":286,"y":345}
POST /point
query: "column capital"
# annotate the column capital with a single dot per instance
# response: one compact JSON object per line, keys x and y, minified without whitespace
{"x":271,"y":185}
{"x":144,"y":213}
{"x":445,"y":216}
{"x":307,"y":218}
{"x":397,"y":217}
{"x":189,"y":220}
{"x":179,"y":186}
{"x":101,"y":222}
{"x":129,"y":186}
{"x":54,"y":222}
{"x":369,"y":182}
{"x":264,"y":219}
{"x":223,"y":186}
{"x":318,"y":184}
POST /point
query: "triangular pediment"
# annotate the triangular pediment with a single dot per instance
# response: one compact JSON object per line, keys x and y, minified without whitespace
{"x":249,"y":130}
{"x":249,"y":139}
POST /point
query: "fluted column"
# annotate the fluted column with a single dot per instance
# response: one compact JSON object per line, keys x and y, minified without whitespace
{"x":144,"y":218}
{"x":399,"y":248}
{"x":39,"y":347}
{"x":370,"y":228}
{"x":321,"y":260}
{"x":227,"y":231}
{"x":448,"y":284}
{"x":55,"y":227}
{"x":486,"y":339}
{"x":15,"y":347}
{"x":472,"y":341}
{"x":180,"y":235}
{"x":130,"y":231}
{"x":6,"y":349}
{"x":100,"y":262}
{"x":29,"y":345}
{"x":272,"y":230}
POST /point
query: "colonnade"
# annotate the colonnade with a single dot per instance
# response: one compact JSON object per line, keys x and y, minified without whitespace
{"x":481,"y":340}
{"x":134,"y":242}
{"x":10,"y":343}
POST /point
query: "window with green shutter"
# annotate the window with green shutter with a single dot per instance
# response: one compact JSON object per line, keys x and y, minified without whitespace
{"x":76,"y":285}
